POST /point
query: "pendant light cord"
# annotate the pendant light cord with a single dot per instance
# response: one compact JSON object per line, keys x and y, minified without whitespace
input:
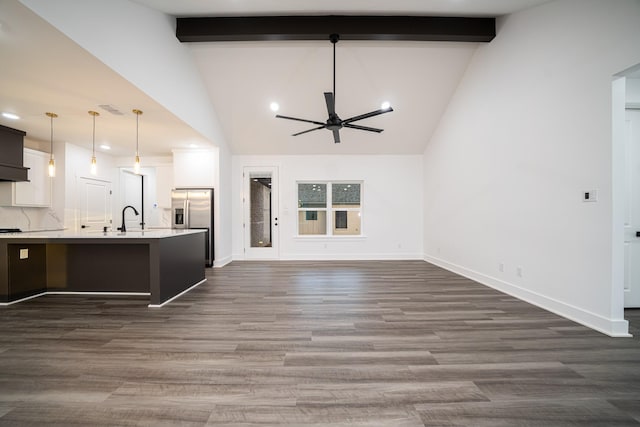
{"x":51,"y":135}
{"x":94,"y":135}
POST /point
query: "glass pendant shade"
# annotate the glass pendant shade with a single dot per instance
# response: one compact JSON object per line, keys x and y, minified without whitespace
{"x":52,"y":163}
{"x":136,"y":165}
{"x":52,"y":167}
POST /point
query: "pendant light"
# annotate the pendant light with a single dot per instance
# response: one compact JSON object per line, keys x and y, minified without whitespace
{"x":52,"y":164}
{"x":136,"y":165}
{"x":94,"y":165}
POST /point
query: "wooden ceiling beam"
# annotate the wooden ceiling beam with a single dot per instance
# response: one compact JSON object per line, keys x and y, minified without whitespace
{"x":269,"y":28}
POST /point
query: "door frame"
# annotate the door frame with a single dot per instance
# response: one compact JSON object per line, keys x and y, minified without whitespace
{"x":620,"y":327}
{"x":262,"y":253}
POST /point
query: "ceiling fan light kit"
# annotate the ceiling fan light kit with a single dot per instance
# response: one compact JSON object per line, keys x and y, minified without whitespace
{"x":334,"y":123}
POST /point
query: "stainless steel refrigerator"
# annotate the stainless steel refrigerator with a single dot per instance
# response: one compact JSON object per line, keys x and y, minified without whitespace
{"x":192,"y":208}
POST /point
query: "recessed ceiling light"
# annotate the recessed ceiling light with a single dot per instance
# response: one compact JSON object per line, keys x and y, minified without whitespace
{"x":105,"y":147}
{"x":10,"y":116}
{"x":385,"y":105}
{"x":274,"y":106}
{"x":193,"y":145}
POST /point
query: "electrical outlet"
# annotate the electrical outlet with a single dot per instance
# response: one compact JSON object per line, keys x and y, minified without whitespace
{"x":590,"y":196}
{"x":24,"y":253}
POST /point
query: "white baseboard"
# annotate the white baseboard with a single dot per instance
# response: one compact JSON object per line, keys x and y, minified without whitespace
{"x":222,"y":262}
{"x":97,"y":293}
{"x":611,"y":327}
{"x":350,"y":256}
{"x":23,"y":299}
{"x":177,"y":296}
{"x":336,"y":257}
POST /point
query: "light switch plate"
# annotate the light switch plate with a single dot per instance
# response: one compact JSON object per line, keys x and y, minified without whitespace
{"x":24,"y":253}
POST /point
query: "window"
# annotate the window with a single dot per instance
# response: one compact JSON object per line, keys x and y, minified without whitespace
{"x":329,"y":208}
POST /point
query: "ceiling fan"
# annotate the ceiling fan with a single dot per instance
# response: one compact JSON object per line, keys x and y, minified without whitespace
{"x":335,"y":123}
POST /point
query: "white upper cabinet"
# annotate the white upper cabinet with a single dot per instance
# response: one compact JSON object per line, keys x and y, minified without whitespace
{"x":33,"y":193}
{"x":194,"y":168}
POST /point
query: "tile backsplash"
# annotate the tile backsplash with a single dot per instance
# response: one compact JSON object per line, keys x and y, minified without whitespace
{"x":30,"y":219}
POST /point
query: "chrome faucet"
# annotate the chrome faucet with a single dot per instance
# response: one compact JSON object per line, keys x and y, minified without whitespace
{"x":124,"y":228}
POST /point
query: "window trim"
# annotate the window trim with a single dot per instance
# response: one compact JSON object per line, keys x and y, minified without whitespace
{"x":330,"y":210}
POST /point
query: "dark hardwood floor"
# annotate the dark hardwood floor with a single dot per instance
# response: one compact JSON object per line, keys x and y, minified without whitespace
{"x":394,"y":343}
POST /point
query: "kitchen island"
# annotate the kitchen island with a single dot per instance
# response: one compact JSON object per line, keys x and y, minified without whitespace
{"x":160,"y":263}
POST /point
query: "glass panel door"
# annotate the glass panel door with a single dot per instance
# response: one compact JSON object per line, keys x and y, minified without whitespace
{"x":261,"y":217}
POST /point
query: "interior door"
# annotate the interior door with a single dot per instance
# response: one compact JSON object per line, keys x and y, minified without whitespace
{"x":632,"y":210}
{"x":94,"y":200}
{"x":260,"y":197}
{"x":131,"y":194}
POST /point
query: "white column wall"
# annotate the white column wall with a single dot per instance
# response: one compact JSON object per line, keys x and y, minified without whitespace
{"x":139,"y":44}
{"x":527,"y":132}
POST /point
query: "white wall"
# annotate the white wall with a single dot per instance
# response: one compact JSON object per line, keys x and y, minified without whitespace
{"x":528,"y":130}
{"x":223,"y":220}
{"x":391,"y":210}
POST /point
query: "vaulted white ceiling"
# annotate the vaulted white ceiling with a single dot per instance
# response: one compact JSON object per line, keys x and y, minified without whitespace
{"x":45,"y":71}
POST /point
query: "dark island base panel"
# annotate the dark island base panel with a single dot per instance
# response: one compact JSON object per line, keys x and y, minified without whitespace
{"x":176,"y":267}
{"x":163,"y":268}
{"x":98,"y":268}
{"x":28,"y":276}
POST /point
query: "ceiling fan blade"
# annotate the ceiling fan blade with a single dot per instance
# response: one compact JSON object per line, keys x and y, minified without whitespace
{"x":336,"y":136}
{"x":308,"y":130}
{"x":367,"y":115}
{"x":331,"y":103}
{"x":300,"y":120}
{"x":349,"y":125}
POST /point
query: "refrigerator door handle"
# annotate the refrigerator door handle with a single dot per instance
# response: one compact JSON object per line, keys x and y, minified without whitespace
{"x":187,"y":215}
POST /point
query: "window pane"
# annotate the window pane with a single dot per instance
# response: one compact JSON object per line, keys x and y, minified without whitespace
{"x":346,"y":223}
{"x":307,"y":225}
{"x":312,"y":195}
{"x":260,"y":209}
{"x":341,"y":219}
{"x":345,"y":195}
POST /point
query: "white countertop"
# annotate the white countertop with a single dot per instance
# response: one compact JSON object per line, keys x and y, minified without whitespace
{"x":154,"y":233}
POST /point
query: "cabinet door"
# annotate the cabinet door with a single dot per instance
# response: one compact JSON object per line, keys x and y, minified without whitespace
{"x":36,"y":191}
